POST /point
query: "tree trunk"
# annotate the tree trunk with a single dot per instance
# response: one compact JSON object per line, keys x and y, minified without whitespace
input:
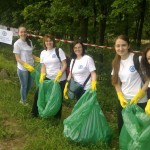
{"x":83,"y":28}
{"x":94,"y":23}
{"x":102,"y":29}
{"x":140,"y":28}
{"x":102,"y":26}
{"x":126,"y":24}
{"x":136,"y":30}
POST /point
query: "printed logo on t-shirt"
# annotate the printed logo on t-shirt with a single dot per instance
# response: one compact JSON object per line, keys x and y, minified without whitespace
{"x":132,"y":68}
{"x":54,"y":56}
{"x":80,"y":67}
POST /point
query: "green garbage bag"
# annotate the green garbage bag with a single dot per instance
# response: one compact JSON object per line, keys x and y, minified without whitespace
{"x":135,"y":133}
{"x":38,"y":67}
{"x":49,"y":98}
{"x":87,"y":123}
{"x":36,"y":75}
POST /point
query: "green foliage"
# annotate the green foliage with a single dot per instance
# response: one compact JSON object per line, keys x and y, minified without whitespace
{"x":6,"y":56}
{"x":67,"y":19}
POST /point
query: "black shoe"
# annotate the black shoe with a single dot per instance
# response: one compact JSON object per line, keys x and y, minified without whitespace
{"x":34,"y":115}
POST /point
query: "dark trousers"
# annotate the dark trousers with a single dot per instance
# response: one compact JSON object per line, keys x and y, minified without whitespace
{"x":119,"y":114}
{"x":79,"y":93}
{"x":148,"y":93}
{"x":34,"y":111}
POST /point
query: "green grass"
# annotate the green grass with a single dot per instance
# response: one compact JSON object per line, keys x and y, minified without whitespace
{"x":19,"y":131}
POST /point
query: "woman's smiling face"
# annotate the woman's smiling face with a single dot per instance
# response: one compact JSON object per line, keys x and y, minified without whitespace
{"x":49,"y":43}
{"x":78,"y":50}
{"x":122,"y":48}
{"x":148,"y":56}
{"x":22,"y":33}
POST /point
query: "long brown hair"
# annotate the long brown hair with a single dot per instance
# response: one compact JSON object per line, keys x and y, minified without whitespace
{"x":116,"y":61}
{"x":144,"y":62}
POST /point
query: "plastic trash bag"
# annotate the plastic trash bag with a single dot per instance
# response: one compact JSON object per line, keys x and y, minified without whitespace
{"x":135,"y":133}
{"x":36,"y":75}
{"x":49,"y":98}
{"x":87,"y":123}
{"x":38,"y":67}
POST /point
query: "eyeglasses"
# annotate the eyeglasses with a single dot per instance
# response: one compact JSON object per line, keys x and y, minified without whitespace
{"x":78,"y":47}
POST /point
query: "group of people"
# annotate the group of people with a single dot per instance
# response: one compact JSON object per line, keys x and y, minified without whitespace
{"x":127,"y":81}
{"x":53,"y":68}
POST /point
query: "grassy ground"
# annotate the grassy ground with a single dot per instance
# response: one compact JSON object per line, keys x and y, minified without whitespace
{"x":19,"y":131}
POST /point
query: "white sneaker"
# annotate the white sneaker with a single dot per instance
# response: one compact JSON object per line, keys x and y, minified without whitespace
{"x":21,"y":102}
{"x":24,"y":104}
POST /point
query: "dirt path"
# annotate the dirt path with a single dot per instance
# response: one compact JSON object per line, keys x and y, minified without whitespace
{"x":12,"y":135}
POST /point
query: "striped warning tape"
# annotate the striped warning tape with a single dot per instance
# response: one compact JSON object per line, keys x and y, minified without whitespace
{"x":62,"y":40}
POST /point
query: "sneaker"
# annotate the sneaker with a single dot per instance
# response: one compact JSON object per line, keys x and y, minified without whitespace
{"x":21,"y":102}
{"x":24,"y":104}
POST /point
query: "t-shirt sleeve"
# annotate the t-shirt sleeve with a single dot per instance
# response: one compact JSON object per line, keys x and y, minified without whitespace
{"x":16,"y":49}
{"x":71,"y":64}
{"x":31,"y":44}
{"x":91,"y":64}
{"x":62,"y":54}
{"x":41,"y":57}
{"x":112,"y":72}
{"x":149,"y":85}
{"x":140,"y":57}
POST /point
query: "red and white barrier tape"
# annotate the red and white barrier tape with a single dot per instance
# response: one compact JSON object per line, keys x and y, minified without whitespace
{"x":67,"y":41}
{"x":62,"y":40}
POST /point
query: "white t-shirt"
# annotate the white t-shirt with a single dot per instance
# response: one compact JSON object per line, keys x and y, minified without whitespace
{"x":82,"y":69}
{"x":149,"y":85}
{"x":130,"y":79}
{"x":52,"y":63}
{"x":25,"y":51}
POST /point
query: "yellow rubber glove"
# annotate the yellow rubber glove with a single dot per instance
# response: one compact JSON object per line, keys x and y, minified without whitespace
{"x":59,"y":74}
{"x":42,"y":77}
{"x":137,"y":97}
{"x":28,"y":67}
{"x":37,"y":59}
{"x":123,"y":101}
{"x":65,"y":90}
{"x":147,"y":108}
{"x":93,"y":85}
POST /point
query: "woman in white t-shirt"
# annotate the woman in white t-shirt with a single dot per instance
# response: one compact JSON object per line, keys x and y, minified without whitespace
{"x":82,"y":68}
{"x":25,"y":60}
{"x":145,"y":63}
{"x":52,"y":68}
{"x":126,"y":79}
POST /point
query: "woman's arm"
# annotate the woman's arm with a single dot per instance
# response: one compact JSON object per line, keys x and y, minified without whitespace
{"x":18,"y":59}
{"x":145,"y":86}
{"x":36,"y":59}
{"x":43,"y":69}
{"x":69,"y":77}
{"x":93,"y":81}
{"x":43,"y":73}
{"x":64,"y":66}
{"x":118,"y":86}
{"x":123,"y":101}
{"x":93,"y":75}
{"x":24,"y":64}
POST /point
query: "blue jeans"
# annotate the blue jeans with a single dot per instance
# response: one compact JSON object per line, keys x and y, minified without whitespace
{"x":26,"y":83}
